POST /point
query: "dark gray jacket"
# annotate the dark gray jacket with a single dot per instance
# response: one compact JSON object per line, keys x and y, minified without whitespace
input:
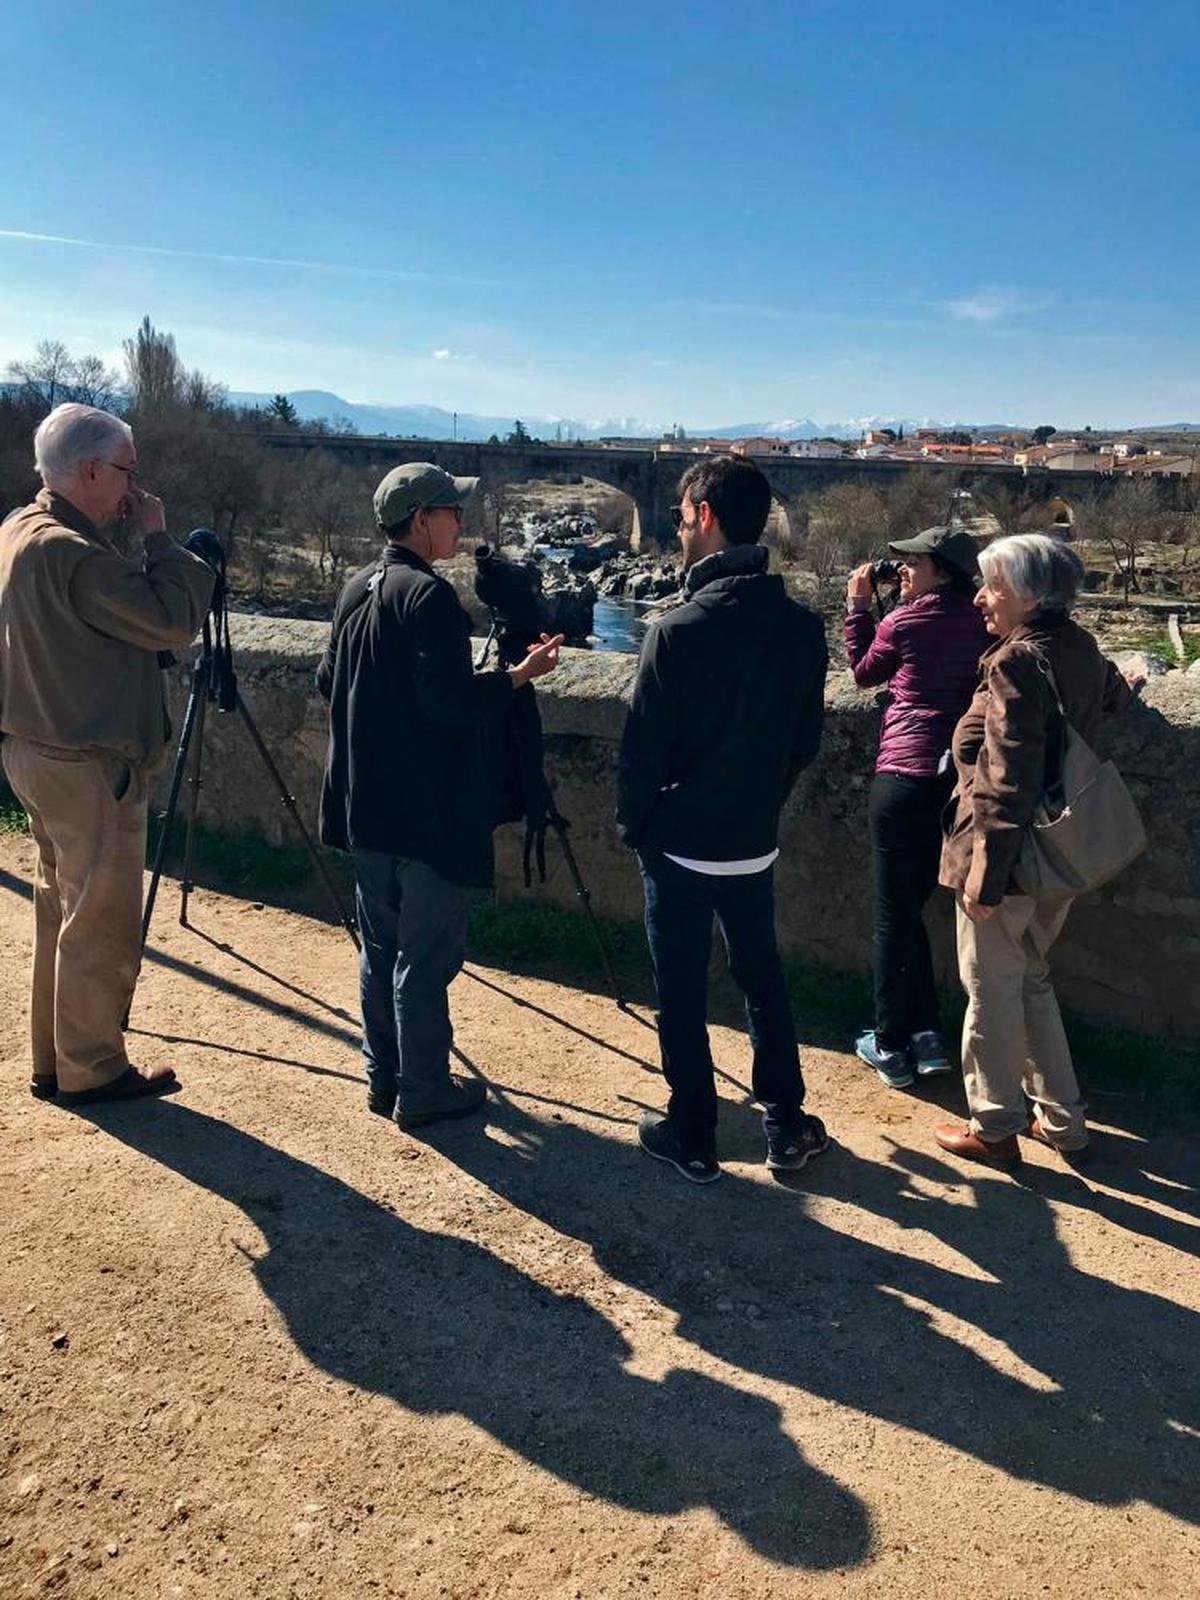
{"x":405,"y":771}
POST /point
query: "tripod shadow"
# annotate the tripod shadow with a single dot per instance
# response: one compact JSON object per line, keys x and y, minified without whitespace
{"x":1019,"y":1358}
{"x":264,"y":972}
{"x":441,"y":1326}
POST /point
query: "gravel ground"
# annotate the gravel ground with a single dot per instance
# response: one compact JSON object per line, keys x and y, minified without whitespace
{"x":257,"y":1342}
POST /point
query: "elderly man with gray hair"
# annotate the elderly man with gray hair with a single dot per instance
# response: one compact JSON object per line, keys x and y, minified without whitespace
{"x":1014,"y":1045}
{"x":84,"y":719}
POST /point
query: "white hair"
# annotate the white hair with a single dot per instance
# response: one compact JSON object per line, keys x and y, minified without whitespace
{"x":73,"y":434}
{"x":1034,"y":567}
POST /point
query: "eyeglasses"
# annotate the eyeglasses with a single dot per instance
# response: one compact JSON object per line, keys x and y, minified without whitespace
{"x":677,"y":516}
{"x":455,"y":511}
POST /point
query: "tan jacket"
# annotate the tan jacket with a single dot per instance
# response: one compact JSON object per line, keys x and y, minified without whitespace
{"x":80,"y":626}
{"x":1000,"y":744}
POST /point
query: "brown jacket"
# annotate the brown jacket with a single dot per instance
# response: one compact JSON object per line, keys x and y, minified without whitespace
{"x":999,"y":745}
{"x":80,"y":625}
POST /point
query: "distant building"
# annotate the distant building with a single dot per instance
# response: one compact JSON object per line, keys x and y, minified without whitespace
{"x":967,"y":452}
{"x":816,"y":449}
{"x":759,"y":447}
{"x":1155,"y":461}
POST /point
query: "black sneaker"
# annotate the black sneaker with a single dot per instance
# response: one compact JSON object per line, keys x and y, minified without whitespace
{"x":794,"y":1148}
{"x":658,"y":1139}
{"x":381,"y":1102}
{"x":460,"y":1098}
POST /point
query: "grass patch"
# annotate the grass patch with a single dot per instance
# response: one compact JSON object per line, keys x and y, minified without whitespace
{"x":831,"y":1007}
{"x":522,"y":935}
{"x":12,"y":814}
{"x":241,"y":862}
{"x":1157,"y":642}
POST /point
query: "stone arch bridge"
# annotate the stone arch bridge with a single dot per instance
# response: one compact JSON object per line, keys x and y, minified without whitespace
{"x":650,"y":476}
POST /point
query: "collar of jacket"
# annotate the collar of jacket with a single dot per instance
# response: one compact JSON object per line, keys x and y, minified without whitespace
{"x":1039,"y":623}
{"x":401,"y":555}
{"x":735,"y":561}
{"x":69,"y":515}
{"x":1035,"y":626}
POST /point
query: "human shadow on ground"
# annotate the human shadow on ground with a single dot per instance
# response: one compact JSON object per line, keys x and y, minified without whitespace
{"x":440,"y":1325}
{"x":1012,"y":1354}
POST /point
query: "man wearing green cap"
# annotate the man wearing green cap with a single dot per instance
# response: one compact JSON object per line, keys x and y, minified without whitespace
{"x":406,"y":791}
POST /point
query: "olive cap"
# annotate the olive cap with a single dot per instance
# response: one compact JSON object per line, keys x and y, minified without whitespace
{"x":415,"y":485}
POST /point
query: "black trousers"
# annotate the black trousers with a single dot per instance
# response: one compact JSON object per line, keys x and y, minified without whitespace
{"x":906,"y":845}
{"x":680,"y":906}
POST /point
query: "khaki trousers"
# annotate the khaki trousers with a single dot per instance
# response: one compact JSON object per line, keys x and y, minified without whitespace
{"x":1013,"y":1041}
{"x":88,"y":816}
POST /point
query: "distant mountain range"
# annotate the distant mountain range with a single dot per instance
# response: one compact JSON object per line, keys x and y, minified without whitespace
{"x":432,"y":422}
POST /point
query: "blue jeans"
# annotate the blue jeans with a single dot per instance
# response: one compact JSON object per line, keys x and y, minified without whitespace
{"x":680,"y":906}
{"x":413,"y":924}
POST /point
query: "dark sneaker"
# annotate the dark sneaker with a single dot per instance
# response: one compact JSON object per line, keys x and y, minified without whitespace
{"x":460,"y":1098}
{"x":891,"y":1066}
{"x":927,"y":1051}
{"x":43,"y":1086}
{"x":658,"y":1139}
{"x":794,"y":1148}
{"x":381,"y":1103}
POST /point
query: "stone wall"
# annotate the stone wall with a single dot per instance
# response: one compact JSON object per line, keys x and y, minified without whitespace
{"x":1130,"y":955}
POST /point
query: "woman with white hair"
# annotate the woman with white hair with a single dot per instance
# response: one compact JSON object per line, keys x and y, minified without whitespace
{"x":1013,"y":1040}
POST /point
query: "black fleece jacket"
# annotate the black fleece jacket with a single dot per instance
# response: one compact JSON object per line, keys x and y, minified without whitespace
{"x":405,"y":771}
{"x":726,"y":711}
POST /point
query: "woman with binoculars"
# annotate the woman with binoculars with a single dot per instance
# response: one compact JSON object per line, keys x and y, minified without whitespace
{"x":926,"y":650}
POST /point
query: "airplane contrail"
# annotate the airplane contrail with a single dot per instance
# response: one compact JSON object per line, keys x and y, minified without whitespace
{"x":393,"y":273}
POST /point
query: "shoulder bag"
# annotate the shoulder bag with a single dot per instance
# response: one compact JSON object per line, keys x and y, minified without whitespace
{"x":1086,"y":827}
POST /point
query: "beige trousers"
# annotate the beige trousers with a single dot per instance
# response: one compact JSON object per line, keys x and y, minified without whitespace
{"x":88,"y":816}
{"x":1013,"y":1041}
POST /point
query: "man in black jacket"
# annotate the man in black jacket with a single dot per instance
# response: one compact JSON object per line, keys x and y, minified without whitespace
{"x":406,"y":790}
{"x":726,"y":711}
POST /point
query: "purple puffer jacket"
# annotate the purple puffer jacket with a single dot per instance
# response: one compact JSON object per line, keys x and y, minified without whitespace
{"x":927,"y":652}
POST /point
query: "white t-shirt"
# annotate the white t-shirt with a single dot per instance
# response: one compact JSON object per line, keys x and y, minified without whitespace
{"x":726,"y":869}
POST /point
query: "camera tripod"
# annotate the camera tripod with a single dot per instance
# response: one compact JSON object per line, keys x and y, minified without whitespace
{"x":535,"y":838}
{"x":213,"y":680}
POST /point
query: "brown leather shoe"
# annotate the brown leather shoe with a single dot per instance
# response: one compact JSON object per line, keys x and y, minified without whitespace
{"x":963,"y":1141}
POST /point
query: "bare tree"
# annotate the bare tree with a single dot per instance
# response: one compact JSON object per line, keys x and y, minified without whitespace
{"x":94,"y":384}
{"x":331,"y":505}
{"x":1126,"y":520}
{"x":51,"y":375}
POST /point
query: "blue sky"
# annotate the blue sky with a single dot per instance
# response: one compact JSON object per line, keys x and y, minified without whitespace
{"x":687,"y":213}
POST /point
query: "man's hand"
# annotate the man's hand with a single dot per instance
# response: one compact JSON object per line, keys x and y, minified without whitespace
{"x":542,"y":658}
{"x":858,"y":587}
{"x":1135,"y":679}
{"x":145,"y":511}
{"x":975,"y":911}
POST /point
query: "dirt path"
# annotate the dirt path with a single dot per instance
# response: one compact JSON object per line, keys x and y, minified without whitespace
{"x":256,"y":1342}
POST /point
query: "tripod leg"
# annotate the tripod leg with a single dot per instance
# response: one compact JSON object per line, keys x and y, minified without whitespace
{"x":559,"y":824}
{"x":195,"y":782}
{"x":285,"y":795}
{"x":196,"y":699}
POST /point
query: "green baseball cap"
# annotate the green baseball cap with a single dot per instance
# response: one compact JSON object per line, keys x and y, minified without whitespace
{"x":953,"y":545}
{"x":415,"y":485}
